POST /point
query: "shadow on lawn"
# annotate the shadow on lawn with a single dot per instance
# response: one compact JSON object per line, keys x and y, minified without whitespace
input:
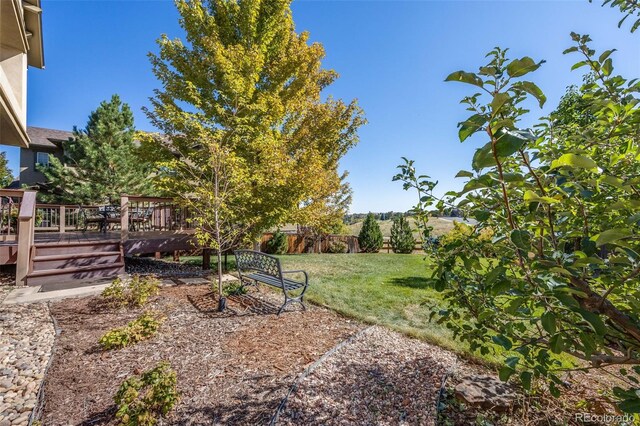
{"x":412,"y":282}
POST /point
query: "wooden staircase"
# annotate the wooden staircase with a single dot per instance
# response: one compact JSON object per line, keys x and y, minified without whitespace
{"x":55,"y":264}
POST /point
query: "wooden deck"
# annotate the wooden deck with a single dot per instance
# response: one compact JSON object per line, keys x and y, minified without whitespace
{"x":137,"y":242}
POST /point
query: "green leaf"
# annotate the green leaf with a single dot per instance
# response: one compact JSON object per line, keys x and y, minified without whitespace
{"x":505,"y":373}
{"x":525,"y":378}
{"x":533,"y":90}
{"x":483,"y":158}
{"x":612,"y":235}
{"x":630,"y":406}
{"x":502,"y":341}
{"x":556,"y":344}
{"x":464,"y":173}
{"x":498,"y":101}
{"x":548,"y":320}
{"x":595,"y":321}
{"x":521,"y":239}
{"x":575,"y":161}
{"x":465,"y":77}
{"x":481,"y":215}
{"x":531,"y":197}
{"x":510,"y":141}
{"x":470,"y":126}
{"x":520,"y":67}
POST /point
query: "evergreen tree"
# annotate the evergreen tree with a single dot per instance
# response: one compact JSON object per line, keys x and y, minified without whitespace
{"x":370,"y":237}
{"x":100,"y":161}
{"x":402,"y":240}
{"x":6,"y":176}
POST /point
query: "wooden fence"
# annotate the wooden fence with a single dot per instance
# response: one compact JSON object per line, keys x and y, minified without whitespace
{"x":299,"y":243}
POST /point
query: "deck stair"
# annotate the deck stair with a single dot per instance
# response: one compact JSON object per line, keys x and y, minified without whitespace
{"x":54,"y":264}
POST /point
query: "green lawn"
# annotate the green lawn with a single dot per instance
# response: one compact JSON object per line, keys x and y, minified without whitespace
{"x":387,"y":289}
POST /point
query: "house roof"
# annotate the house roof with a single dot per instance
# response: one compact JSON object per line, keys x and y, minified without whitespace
{"x":47,"y":138}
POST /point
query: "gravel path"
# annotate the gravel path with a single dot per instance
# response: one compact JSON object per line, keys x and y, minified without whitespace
{"x":26,"y":339}
{"x":381,"y":378}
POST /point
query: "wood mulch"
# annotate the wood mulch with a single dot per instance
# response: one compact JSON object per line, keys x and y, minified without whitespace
{"x":233,"y":368}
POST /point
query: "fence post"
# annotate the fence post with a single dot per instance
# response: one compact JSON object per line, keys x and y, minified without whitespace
{"x":124,"y":218}
{"x":62,"y":219}
{"x":26,"y":218}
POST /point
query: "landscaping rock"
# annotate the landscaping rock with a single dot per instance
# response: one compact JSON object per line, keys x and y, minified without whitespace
{"x":26,"y":340}
{"x":486,"y":392}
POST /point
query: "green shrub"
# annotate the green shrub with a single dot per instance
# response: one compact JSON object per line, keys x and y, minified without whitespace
{"x":370,"y":237}
{"x":337,"y":247}
{"x":278,"y":243}
{"x":143,"y":327}
{"x":402,"y":240}
{"x":133,"y":291}
{"x":234,"y":288}
{"x":142,"y":399}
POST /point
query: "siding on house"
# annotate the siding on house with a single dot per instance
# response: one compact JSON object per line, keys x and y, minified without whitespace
{"x":42,"y":140}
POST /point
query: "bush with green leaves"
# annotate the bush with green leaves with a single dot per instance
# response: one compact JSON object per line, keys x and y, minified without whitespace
{"x":337,"y":247}
{"x":563,"y":205}
{"x":142,"y":399}
{"x":234,"y":288}
{"x":132,"y":291}
{"x":370,"y":237}
{"x":142,"y":328}
{"x":402,"y":240}
{"x":278,"y":244}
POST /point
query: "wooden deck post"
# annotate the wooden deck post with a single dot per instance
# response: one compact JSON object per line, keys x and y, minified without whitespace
{"x":26,"y":218}
{"x":62,"y":218}
{"x":124,"y":218}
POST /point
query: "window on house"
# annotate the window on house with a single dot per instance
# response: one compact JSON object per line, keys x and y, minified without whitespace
{"x":42,"y":159}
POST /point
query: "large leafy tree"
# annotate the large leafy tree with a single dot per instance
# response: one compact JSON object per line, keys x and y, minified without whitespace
{"x":100,"y":161}
{"x":246,"y":78}
{"x":560,"y":273}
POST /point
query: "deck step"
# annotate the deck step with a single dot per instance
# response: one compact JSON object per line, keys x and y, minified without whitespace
{"x":47,"y":249}
{"x":64,"y":261}
{"x":57,"y":276}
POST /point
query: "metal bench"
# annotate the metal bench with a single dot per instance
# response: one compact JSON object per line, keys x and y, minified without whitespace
{"x":255,"y":266}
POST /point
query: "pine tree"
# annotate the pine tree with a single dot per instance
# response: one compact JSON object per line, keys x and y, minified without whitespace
{"x":100,"y":161}
{"x":6,"y":176}
{"x":370,"y":237}
{"x":402,"y":240}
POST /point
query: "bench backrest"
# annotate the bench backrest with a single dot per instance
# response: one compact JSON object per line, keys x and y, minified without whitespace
{"x":250,"y":260}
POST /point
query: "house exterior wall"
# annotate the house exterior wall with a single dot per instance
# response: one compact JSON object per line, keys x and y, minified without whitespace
{"x":20,"y":47}
{"x":28,"y":174}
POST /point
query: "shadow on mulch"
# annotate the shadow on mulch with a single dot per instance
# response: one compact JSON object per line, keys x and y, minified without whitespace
{"x":237,"y":305}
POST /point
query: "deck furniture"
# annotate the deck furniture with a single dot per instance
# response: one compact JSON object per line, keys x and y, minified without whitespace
{"x":102,"y":217}
{"x":254,"y":267}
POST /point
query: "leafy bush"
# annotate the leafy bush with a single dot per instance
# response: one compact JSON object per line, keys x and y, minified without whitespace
{"x":278,"y":244}
{"x":402,"y":240}
{"x":133,"y":291}
{"x":143,"y":327}
{"x":370,"y":237}
{"x":337,"y":247}
{"x":560,"y":206}
{"x":235,"y":287}
{"x":142,"y":399}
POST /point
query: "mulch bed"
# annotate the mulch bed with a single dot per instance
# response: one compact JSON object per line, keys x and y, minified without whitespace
{"x":232,"y":368}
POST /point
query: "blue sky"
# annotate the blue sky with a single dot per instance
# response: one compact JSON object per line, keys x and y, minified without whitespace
{"x":392,"y":55}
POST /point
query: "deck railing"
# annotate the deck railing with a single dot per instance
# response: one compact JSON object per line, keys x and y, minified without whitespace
{"x":21,"y":218}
